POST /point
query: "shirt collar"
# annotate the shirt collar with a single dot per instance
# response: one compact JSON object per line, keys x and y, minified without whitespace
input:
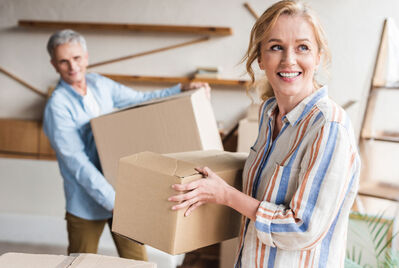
{"x":70,"y":88}
{"x":302,"y":109}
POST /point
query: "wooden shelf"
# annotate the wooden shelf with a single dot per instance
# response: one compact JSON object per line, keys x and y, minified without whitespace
{"x":207,"y":30}
{"x":27,"y":156}
{"x":379,"y":190}
{"x":24,"y":139}
{"x":171,"y":79}
{"x":385,"y":88}
{"x":383,"y":136}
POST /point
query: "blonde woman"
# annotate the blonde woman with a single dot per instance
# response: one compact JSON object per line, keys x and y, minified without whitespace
{"x":301,"y":175}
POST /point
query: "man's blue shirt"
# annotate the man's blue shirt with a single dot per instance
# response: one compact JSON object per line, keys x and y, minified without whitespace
{"x":67,"y":125}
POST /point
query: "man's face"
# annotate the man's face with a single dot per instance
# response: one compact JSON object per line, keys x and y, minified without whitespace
{"x":70,"y":61}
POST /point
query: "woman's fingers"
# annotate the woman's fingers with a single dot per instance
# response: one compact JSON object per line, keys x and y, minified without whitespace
{"x":185,"y":204}
{"x":202,"y":171}
{"x":183,"y":197}
{"x":186,"y":187}
{"x":192,"y":207}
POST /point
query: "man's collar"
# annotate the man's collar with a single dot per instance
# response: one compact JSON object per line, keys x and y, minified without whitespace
{"x":69,"y":87}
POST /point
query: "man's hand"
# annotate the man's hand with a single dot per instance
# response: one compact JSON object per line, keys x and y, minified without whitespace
{"x":196,"y":85}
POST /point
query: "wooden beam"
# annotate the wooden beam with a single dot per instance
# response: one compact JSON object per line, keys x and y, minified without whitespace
{"x":206,"y":38}
{"x":380,"y":67}
{"x":22,"y":82}
{"x":251,"y":10}
{"x":170,"y":79}
{"x":207,"y":30}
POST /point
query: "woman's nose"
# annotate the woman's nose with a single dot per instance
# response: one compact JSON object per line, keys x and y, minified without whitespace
{"x":289,"y":57}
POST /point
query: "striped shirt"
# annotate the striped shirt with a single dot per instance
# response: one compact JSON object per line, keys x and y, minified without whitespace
{"x":306,"y":180}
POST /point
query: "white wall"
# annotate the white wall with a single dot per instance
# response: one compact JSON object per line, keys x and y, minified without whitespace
{"x":34,"y":187}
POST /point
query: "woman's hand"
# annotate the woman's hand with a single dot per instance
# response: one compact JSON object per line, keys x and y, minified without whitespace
{"x":211,"y":189}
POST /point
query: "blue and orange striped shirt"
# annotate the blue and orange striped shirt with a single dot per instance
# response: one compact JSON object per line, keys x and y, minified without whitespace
{"x":306,"y":180}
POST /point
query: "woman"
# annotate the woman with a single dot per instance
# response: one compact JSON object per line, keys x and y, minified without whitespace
{"x":301,"y":175}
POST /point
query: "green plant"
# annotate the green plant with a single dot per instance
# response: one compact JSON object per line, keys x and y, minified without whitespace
{"x":376,"y":232}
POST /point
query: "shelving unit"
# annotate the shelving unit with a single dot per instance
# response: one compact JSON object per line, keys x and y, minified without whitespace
{"x":375,"y":188}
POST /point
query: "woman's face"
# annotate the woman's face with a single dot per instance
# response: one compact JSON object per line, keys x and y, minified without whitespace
{"x":289,"y":57}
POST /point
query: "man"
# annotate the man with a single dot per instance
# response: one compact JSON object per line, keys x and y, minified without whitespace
{"x":78,"y":97}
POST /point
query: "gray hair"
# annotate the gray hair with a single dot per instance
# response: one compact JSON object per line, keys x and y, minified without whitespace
{"x":64,"y":36}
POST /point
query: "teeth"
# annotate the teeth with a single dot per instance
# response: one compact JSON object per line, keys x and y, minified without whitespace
{"x":289,"y":75}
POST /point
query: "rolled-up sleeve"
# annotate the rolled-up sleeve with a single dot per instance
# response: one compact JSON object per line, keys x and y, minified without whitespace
{"x":324,"y":181}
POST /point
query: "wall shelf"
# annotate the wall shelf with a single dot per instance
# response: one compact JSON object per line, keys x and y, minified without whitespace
{"x":206,"y":30}
{"x":24,"y":139}
{"x":383,"y":136}
{"x":171,"y":79}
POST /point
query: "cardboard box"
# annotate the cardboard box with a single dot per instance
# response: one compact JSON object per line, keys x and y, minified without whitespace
{"x":183,"y":122}
{"x":228,"y":251}
{"x":23,"y":260}
{"x":247,"y":134}
{"x":143,"y":213}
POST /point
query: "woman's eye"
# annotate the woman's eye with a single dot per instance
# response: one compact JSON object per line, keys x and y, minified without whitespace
{"x":303,"y":48}
{"x":276,"y":48}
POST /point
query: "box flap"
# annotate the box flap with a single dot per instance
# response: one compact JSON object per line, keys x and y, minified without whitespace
{"x":214,"y":159}
{"x":162,"y":164}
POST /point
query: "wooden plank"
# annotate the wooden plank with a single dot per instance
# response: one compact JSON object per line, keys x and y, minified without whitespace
{"x":383,"y":136}
{"x":22,"y":82}
{"x":207,"y":30}
{"x":380,"y":67}
{"x":18,"y":155}
{"x":19,"y":136}
{"x":251,"y":10}
{"x":171,"y":79}
{"x":47,"y":157}
{"x":367,"y":128}
{"x":385,"y":88}
{"x":191,"y":42}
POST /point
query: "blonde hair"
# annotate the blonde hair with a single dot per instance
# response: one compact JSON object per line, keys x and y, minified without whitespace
{"x":263,"y":26}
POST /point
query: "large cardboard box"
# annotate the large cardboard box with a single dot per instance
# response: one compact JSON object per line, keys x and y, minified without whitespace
{"x":183,"y":122}
{"x":142,"y":210}
{"x":23,"y":260}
